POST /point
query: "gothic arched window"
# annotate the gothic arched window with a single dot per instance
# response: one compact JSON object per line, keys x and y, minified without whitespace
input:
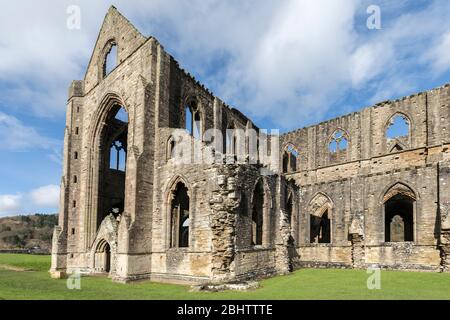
{"x":179,"y":220}
{"x":290,"y":158}
{"x":193,"y":123}
{"x":320,"y":215}
{"x":110,"y":58}
{"x":338,"y":146}
{"x":399,"y":214}
{"x":398,"y":133}
{"x":118,"y":156}
{"x":258,"y":214}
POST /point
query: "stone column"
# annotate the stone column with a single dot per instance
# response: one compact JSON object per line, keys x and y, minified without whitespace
{"x":58,"y":267}
{"x":284,"y":245}
{"x":444,"y":240}
{"x":444,"y":214}
{"x":445,"y":251}
{"x":357,"y":238}
{"x":223,"y":203}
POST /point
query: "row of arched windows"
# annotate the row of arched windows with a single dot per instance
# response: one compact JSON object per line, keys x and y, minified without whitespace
{"x":398,"y":209}
{"x":397,"y":137}
{"x":180,"y":221}
{"x":194,"y":126}
{"x":397,"y":130}
{"x":398,"y":212}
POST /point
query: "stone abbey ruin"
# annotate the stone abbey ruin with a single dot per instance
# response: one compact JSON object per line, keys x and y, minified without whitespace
{"x":368,"y":188}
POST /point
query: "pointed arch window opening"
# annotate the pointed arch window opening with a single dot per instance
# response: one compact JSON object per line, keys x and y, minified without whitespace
{"x":118,"y":156}
{"x":399,"y":218}
{"x":320,"y":228}
{"x":118,"y":148}
{"x":110,"y":60}
{"x":170,"y":148}
{"x":290,"y":158}
{"x":180,"y":217}
{"x":339,"y":142}
{"x":398,"y":133}
{"x":231,"y":141}
{"x":193,"y":122}
{"x":110,"y":184}
{"x":257,"y":229}
{"x":398,"y":127}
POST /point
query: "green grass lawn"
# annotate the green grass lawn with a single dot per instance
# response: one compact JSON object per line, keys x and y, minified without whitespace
{"x":302,"y":284}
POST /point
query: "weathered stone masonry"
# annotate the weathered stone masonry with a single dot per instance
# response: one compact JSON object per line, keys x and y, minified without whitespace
{"x":351,"y":193}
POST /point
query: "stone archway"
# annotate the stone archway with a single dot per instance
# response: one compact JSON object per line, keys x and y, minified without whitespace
{"x":107,"y":164}
{"x":320,"y":219}
{"x":399,"y":208}
{"x":261,"y":207}
{"x":103,"y":255}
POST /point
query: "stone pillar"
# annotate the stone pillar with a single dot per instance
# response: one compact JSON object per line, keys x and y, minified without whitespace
{"x":59,"y":253}
{"x":358,"y":254}
{"x":223,"y":203}
{"x":444,"y":240}
{"x":58,"y":267}
{"x":444,"y":214}
{"x":445,"y":251}
{"x":284,"y":246}
{"x":357,"y":238}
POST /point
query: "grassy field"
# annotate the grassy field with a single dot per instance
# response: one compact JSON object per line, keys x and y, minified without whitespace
{"x":16,"y":283}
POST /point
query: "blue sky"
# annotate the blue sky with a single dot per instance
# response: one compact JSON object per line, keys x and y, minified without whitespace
{"x":286,"y":64}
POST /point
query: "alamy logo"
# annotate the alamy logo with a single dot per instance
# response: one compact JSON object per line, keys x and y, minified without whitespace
{"x":74,"y":281}
{"x":374,"y":280}
{"x":238,"y":146}
{"x":73,"y":18}
{"x":374,"y":20}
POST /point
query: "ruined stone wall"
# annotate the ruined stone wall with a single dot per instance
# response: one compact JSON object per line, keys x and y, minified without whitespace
{"x":194,"y":261}
{"x":352,"y":184}
{"x":253,"y":260}
{"x":365,"y":130}
{"x":88,"y":99}
{"x":356,"y":185}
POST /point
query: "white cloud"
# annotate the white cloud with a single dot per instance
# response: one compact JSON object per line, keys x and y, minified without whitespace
{"x":41,"y":198}
{"x":10,"y":204}
{"x":298,"y":63}
{"x":368,"y":61}
{"x":39,"y":59}
{"x":439,"y":55}
{"x":289,"y":61}
{"x":17,"y":137}
{"x":46,"y":196}
{"x":298,"y":56}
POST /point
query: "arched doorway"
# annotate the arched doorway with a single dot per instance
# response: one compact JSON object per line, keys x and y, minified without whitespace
{"x":321,"y":228}
{"x":320,"y":219}
{"x":399,"y":207}
{"x":102,"y":258}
